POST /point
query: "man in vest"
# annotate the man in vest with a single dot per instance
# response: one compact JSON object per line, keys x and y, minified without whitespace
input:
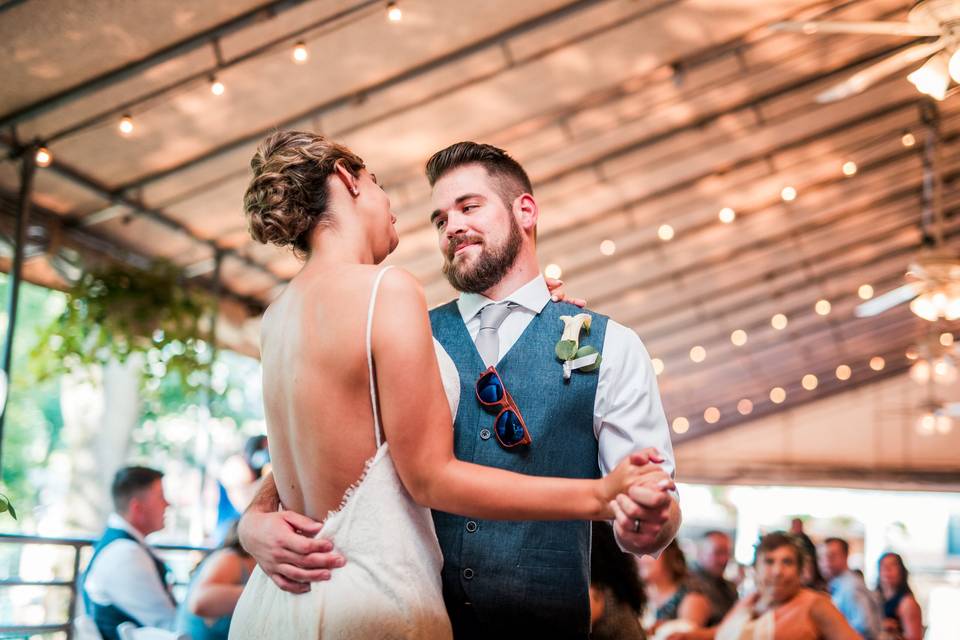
{"x":512,"y":579}
{"x":124,"y":581}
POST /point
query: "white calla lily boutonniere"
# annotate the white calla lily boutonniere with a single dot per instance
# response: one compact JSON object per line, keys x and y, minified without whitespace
{"x":574,"y":357}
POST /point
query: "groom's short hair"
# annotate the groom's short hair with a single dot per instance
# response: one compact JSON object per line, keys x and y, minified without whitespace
{"x":510,"y":180}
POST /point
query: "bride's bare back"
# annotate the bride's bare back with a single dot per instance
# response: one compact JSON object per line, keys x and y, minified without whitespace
{"x":316,"y":388}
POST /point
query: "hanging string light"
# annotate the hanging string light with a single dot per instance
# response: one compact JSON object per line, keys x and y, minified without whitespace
{"x":394,"y":13}
{"x":727,"y":215}
{"x":300,"y":53}
{"x":125,"y":125}
{"x":217,"y":88}
{"x":43,"y":157}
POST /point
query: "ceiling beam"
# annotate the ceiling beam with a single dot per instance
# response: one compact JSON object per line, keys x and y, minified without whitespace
{"x":142,"y":65}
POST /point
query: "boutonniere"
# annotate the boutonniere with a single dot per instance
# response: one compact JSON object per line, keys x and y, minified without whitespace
{"x":568,"y":350}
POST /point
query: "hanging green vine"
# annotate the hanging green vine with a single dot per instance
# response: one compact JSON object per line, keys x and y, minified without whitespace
{"x":113,"y":313}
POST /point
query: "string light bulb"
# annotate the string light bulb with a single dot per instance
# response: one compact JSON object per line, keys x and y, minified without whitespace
{"x":789,"y":194}
{"x":553,"y":271}
{"x":126,"y":124}
{"x":809,"y":382}
{"x":779,"y":322}
{"x":745,"y":407}
{"x":665,"y":232}
{"x":217,"y":88}
{"x":877,"y":363}
{"x":865,"y":292}
{"x":822,"y":307}
{"x":727,"y":215}
{"x":850,"y":168}
{"x":394,"y":13}
{"x":698,"y":354}
{"x":711,"y":415}
{"x":681,"y":425}
{"x":778,"y":395}
{"x":908,"y":139}
{"x":300,"y":53}
{"x":43,"y":157}
{"x":608,"y":247}
{"x":843,"y":372}
{"x":738,"y":337}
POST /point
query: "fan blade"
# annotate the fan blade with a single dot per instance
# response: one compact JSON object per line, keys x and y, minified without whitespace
{"x":877,"y":28}
{"x":888,"y":300}
{"x":863,"y":79}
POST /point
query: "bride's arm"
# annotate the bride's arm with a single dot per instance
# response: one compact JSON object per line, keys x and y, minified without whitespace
{"x":417,"y":425}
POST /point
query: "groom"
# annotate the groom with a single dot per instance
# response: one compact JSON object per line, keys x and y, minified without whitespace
{"x":510,"y":579}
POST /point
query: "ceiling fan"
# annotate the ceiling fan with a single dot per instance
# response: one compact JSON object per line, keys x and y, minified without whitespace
{"x":933,"y":278}
{"x":928,"y":18}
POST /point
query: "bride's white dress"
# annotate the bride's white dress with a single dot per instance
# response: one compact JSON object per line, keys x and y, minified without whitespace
{"x":390,"y":585}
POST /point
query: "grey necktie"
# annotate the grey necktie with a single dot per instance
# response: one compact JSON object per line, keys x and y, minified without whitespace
{"x":488,"y":342}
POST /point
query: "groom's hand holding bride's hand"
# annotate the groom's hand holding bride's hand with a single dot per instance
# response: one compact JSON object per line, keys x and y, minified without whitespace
{"x":646,"y":516}
{"x":283,"y":544}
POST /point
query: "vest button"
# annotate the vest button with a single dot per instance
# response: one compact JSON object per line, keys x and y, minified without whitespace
{"x":468,"y":573}
{"x":484,"y":434}
{"x":471,"y":526}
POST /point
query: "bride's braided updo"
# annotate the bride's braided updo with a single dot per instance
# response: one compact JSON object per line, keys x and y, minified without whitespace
{"x":288,"y":195}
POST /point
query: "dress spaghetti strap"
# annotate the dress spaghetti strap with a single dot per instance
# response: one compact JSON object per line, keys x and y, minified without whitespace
{"x":373,"y":385}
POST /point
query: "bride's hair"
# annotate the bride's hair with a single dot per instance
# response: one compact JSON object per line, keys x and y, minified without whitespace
{"x":288,"y":194}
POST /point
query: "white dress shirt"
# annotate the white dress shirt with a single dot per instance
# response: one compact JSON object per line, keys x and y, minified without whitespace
{"x":125,"y":575}
{"x":627,"y":412}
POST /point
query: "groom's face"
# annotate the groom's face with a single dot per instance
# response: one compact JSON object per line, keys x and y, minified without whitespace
{"x":478,"y":234}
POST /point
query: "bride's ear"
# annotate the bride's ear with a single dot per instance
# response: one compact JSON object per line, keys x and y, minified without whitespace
{"x":348,"y":179}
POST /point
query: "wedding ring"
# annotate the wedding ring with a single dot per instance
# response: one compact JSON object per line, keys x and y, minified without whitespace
{"x":636,"y":526}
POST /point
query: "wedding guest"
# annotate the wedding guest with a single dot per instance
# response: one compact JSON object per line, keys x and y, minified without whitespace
{"x":782,"y":607}
{"x":238,"y":482}
{"x":669,"y":595}
{"x":214,"y":591}
{"x":125,"y":581}
{"x":901,"y":611}
{"x":713,"y":553}
{"x":616,"y":595}
{"x":848,"y":590}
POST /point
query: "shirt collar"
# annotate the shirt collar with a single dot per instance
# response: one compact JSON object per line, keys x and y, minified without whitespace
{"x":533,"y":296}
{"x":116,"y":521}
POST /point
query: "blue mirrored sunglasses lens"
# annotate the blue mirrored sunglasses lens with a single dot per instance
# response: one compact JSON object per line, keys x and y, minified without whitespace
{"x":509,"y":428}
{"x":490,"y":389}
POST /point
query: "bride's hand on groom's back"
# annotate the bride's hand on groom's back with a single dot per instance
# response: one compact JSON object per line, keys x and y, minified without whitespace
{"x":558,"y":294}
{"x":283,"y":544}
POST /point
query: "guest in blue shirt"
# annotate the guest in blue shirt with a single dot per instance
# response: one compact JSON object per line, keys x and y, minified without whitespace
{"x":848,"y":591}
{"x":214,"y":591}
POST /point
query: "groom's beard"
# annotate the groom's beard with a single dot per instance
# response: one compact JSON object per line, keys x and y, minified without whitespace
{"x":488,"y":268}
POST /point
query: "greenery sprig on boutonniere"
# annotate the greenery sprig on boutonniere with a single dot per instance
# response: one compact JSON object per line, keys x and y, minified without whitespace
{"x":6,"y":505}
{"x":574,"y":357}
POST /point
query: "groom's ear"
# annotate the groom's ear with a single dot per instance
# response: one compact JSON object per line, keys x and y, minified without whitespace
{"x":349,"y":180}
{"x":526,"y":211}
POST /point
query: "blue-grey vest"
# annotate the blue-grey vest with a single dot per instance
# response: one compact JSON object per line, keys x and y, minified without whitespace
{"x":513,"y":576}
{"x":108,"y":617}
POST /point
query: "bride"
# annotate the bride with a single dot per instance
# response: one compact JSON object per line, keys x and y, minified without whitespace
{"x":359,"y":401}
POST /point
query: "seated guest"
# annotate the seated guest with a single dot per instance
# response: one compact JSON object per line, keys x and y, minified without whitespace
{"x":616,"y":595}
{"x":214,"y":590}
{"x":669,"y":595}
{"x":901,"y":612}
{"x":848,"y":591}
{"x":782,"y":608}
{"x":124,"y":581}
{"x":713,"y":554}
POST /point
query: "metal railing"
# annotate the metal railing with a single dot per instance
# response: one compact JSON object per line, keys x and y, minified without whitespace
{"x":77,"y":544}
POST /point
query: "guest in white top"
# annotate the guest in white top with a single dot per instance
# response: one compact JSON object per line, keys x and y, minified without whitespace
{"x":125,"y":581}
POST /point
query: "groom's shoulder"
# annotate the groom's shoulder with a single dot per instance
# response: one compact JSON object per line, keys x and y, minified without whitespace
{"x":445,"y":309}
